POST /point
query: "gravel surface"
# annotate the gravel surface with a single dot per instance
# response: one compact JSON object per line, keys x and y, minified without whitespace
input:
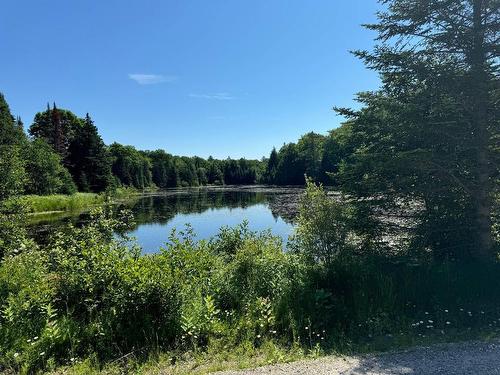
{"x":475,"y":358}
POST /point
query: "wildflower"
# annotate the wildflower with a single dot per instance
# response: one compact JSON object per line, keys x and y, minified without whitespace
{"x":72,"y":359}
{"x":461,"y":309}
{"x":430,"y":321}
{"x":29,"y":340}
{"x":445,"y":311}
{"x":421,"y":322}
{"x":42,"y":354}
{"x":16,"y":355}
{"x":258,"y":336}
{"x":307,"y":328}
{"x":448,"y":323}
{"x":35,"y":338}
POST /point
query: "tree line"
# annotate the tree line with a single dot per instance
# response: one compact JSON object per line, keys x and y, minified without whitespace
{"x":62,"y":154}
{"x":314,"y":155}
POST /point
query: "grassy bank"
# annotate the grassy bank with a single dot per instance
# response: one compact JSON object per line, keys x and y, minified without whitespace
{"x":58,"y":202}
{"x":39,"y":204}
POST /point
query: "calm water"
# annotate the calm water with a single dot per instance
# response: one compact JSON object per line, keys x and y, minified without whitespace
{"x":205,"y":209}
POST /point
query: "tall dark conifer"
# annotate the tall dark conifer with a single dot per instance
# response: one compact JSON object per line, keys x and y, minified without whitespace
{"x":89,"y":161}
{"x":429,"y":134}
{"x":57,"y":127}
{"x":272,"y":166}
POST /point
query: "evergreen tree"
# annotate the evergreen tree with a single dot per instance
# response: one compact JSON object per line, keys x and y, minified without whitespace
{"x":88,"y":158}
{"x":11,"y":131}
{"x":12,"y":140}
{"x":57,"y":127}
{"x":272,"y":166}
{"x":430,"y":134}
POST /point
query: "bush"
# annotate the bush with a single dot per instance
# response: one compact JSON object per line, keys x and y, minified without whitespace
{"x":46,"y":174}
{"x":323,"y":226}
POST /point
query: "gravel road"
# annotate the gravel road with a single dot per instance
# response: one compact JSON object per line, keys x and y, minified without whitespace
{"x":475,"y":358}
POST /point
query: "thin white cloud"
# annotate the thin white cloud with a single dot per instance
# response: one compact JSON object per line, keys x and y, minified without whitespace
{"x":151,"y":79}
{"x":216,"y":96}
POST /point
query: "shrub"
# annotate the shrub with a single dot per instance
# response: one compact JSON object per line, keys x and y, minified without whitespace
{"x":323,"y":231}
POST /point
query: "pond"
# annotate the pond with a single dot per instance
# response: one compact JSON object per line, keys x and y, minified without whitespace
{"x":205,"y":209}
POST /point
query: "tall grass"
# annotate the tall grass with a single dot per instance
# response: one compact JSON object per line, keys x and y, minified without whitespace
{"x":59,"y":202}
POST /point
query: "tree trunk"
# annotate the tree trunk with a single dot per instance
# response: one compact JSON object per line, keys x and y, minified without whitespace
{"x":482,"y":201}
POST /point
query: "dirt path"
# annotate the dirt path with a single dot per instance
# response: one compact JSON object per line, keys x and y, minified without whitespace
{"x":475,"y":358}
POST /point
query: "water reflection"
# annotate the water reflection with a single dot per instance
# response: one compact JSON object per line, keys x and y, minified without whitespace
{"x":206,"y":210}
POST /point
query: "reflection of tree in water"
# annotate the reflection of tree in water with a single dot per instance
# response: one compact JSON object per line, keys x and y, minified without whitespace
{"x":163,"y":208}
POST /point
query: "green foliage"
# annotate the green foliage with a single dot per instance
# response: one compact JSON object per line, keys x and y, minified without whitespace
{"x":164,"y":173}
{"x":88,"y":294}
{"x":130,"y":166}
{"x":12,"y":172}
{"x":426,"y":138}
{"x":57,"y":127}
{"x":46,"y":174}
{"x":291,"y":168}
{"x":12,"y":141}
{"x":323,"y":228}
{"x":88,"y":159}
{"x":13,"y":237}
{"x":314,"y":155}
{"x":59,"y":202}
{"x":11,"y":131}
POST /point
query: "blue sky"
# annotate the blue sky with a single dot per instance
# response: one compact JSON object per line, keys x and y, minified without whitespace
{"x":194,"y":77}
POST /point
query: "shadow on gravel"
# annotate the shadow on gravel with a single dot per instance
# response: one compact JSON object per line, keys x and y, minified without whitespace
{"x":464,"y":358}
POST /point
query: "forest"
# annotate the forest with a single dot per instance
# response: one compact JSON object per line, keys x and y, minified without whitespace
{"x":408,"y":255}
{"x":63,"y":154}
